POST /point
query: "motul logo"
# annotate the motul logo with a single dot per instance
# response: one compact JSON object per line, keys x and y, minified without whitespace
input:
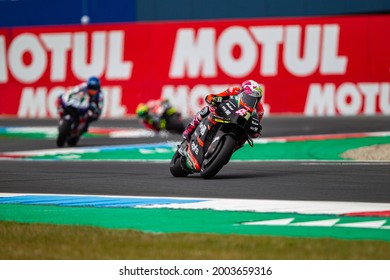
{"x":105,"y":59}
{"x":348,"y":99}
{"x":59,"y":55}
{"x":40,"y":102}
{"x":200,"y":53}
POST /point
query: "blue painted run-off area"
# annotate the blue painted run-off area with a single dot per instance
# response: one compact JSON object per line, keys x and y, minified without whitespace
{"x":91,"y":201}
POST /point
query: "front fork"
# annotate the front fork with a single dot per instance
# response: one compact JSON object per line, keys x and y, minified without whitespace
{"x":182,"y":148}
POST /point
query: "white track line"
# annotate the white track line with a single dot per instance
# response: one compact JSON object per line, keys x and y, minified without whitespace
{"x":252,"y":205}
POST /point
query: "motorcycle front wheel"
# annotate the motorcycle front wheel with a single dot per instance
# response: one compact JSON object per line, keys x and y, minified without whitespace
{"x":63,"y":132}
{"x":73,"y":141}
{"x":175,"y":166}
{"x":224,"y":152}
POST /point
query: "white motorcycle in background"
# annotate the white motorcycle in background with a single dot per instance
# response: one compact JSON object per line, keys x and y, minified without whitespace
{"x":76,"y":110}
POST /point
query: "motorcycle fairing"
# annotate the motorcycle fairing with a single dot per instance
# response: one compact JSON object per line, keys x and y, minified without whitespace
{"x":191,"y":161}
{"x":196,"y":146}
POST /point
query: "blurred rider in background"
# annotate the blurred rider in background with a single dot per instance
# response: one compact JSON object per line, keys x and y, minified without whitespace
{"x":87,"y":98}
{"x":249,"y":87}
{"x":159,"y":115}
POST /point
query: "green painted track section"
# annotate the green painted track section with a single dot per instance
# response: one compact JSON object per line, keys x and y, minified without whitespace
{"x":309,"y":150}
{"x":293,"y":150}
{"x":193,"y":221}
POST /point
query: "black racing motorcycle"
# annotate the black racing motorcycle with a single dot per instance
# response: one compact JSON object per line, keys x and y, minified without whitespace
{"x":216,"y":138}
{"x":70,"y":127}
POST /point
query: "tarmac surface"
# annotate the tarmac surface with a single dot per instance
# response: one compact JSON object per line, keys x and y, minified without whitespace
{"x":319,"y":181}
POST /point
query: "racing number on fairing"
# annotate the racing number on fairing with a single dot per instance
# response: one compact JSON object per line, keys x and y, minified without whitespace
{"x":244,"y":113}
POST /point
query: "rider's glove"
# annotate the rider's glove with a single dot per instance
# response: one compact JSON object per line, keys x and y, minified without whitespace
{"x":213,"y":99}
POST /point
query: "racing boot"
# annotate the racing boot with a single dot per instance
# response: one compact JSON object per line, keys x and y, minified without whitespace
{"x":195,"y":122}
{"x":189,"y":130}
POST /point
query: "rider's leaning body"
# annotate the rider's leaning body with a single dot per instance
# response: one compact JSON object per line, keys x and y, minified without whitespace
{"x":214,"y":100}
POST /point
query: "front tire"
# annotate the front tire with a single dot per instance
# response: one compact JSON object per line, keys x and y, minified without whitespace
{"x":73,"y":141}
{"x":63,"y":132}
{"x":225,"y":152}
{"x":175,"y":166}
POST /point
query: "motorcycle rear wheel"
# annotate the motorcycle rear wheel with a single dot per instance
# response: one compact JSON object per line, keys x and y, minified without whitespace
{"x":225,"y":152}
{"x":175,"y":166}
{"x":175,"y":124}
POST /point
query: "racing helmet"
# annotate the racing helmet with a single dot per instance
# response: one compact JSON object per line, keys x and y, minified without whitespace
{"x":141,"y":110}
{"x":251,"y":94}
{"x":93,"y":83}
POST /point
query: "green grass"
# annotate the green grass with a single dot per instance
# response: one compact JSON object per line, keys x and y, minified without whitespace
{"x":59,"y":242}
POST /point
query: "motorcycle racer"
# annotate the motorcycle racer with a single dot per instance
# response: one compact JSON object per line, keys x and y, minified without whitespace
{"x":87,"y":98}
{"x":248,"y":87}
{"x":155,"y":114}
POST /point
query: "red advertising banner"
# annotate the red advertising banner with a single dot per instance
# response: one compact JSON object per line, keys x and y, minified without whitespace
{"x":322,"y":66}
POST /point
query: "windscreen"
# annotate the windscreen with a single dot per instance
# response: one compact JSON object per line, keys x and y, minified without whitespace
{"x":247,"y":101}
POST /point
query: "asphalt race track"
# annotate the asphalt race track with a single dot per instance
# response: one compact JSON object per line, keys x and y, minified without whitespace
{"x":327,"y":181}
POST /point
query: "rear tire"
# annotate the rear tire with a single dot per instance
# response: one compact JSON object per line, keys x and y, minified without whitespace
{"x":63,"y":132}
{"x":224,"y":154}
{"x":175,"y":166}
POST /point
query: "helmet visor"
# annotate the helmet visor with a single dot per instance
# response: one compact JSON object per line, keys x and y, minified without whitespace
{"x":93,"y":86}
{"x":92,"y":91}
